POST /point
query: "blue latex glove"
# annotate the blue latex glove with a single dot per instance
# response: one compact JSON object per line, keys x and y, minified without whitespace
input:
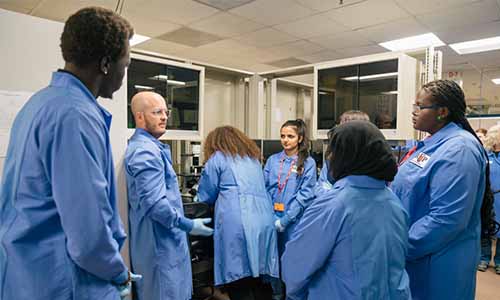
{"x":199,"y":227}
{"x":126,"y":289}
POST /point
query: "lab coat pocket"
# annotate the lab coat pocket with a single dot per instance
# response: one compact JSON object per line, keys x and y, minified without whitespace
{"x":170,"y":244}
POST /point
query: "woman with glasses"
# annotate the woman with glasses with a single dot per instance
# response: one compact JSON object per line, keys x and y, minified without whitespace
{"x":442,"y":185}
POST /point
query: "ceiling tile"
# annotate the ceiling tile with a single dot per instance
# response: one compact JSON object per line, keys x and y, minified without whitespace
{"x":272,"y":12}
{"x":260,"y":68}
{"x":60,"y":10}
{"x":450,"y":57}
{"x":312,"y":26}
{"x":149,"y":26}
{"x":367,"y":13}
{"x":475,"y":13}
{"x":163,"y":47}
{"x":266,"y":38}
{"x":471,"y":32}
{"x":14,"y":7}
{"x":342,"y":40}
{"x":425,"y":6}
{"x":189,"y":37}
{"x":226,"y":25}
{"x":175,"y":11}
{"x":22,"y":6}
{"x":224,"y":4}
{"x":394,"y":30}
{"x":360,"y":51}
{"x":322,"y":56}
{"x":297,"y":48}
{"x":287,"y":62}
{"x":324,"y":5}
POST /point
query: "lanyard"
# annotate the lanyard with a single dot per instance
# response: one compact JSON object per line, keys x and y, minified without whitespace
{"x":412,"y":150}
{"x":281,"y":186}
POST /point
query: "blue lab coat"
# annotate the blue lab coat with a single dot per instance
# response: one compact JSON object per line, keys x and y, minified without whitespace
{"x":324,"y":180}
{"x":297,"y":194}
{"x":441,"y":185}
{"x":158,"y":240}
{"x":494,"y":162}
{"x":351,"y":243}
{"x":245,"y":240}
{"x":60,"y":231}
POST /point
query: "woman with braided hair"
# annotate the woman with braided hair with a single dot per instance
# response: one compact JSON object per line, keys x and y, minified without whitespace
{"x":442,"y":186}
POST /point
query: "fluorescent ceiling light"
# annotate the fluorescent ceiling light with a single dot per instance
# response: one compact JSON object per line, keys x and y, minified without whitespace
{"x":175,"y":82}
{"x":371,"y":77}
{"x":143,"y":87}
{"x":137,"y":39}
{"x":413,"y":42}
{"x":477,"y":45}
{"x":390,"y":93}
{"x":168,"y":81}
{"x":496,"y":80}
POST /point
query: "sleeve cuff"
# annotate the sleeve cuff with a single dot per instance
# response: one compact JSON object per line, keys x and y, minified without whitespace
{"x":185,"y":224}
{"x":120,"y":278}
{"x":285,"y":220}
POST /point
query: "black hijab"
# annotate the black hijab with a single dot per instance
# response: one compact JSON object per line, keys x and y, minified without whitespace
{"x":359,"y":148}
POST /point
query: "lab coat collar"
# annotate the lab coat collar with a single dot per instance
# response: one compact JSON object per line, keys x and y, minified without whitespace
{"x":362,"y":181}
{"x":288,"y":158}
{"x":65,"y":79}
{"x":147,"y":135}
{"x":444,"y":132}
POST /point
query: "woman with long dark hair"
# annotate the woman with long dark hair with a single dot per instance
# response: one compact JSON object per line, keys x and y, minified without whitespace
{"x":244,"y":239}
{"x":290,"y":177}
{"x":444,"y":185}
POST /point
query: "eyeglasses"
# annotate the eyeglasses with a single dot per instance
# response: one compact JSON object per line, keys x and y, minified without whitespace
{"x":418,"y":108}
{"x":161,"y":111}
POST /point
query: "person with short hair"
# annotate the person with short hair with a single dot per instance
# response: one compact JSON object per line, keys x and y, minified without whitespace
{"x":347,"y":116}
{"x":60,"y":229}
{"x":442,"y":186}
{"x":245,"y":242}
{"x":491,"y":142}
{"x":481,"y":134}
{"x":158,"y":242}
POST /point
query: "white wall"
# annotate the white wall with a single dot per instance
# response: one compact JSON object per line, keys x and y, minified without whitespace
{"x":223,"y":103}
{"x":29,"y":53}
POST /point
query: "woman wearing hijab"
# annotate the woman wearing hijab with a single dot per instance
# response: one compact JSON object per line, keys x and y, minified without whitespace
{"x":355,"y":232}
{"x":442,"y":186}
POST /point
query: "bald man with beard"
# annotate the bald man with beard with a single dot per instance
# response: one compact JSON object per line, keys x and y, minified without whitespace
{"x":158,"y":242}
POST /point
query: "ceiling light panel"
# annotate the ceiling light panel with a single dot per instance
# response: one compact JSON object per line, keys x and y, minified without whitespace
{"x":413,"y":42}
{"x":477,"y":46}
{"x":137,"y":39}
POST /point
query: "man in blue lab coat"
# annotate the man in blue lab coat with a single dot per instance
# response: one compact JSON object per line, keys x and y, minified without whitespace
{"x":60,"y":231}
{"x":158,"y":241}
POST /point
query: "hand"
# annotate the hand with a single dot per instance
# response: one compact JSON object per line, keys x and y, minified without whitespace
{"x":279,"y":227}
{"x":126,"y":289}
{"x":199,"y":227}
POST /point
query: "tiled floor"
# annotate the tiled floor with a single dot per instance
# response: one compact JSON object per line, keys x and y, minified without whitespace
{"x":488,"y":285}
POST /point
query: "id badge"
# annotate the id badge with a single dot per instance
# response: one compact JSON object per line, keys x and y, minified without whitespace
{"x":279,"y":206}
